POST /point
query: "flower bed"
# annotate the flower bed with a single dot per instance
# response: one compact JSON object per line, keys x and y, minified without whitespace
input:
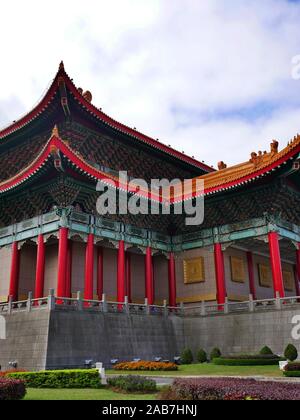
{"x":4,"y":373}
{"x":146,"y":366}
{"x":232,"y":389}
{"x":81,"y":378}
{"x":11,"y":389}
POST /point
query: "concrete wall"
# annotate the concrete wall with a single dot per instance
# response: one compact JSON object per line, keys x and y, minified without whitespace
{"x":51,"y":268}
{"x":27,"y":270}
{"x":242,"y":333}
{"x":5,"y":258}
{"x":66,"y":339}
{"x":160,"y":269}
{"x":76,"y":337}
{"x":27,"y":340}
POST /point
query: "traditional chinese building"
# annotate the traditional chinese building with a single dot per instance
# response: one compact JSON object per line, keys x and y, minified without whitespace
{"x":52,"y":237}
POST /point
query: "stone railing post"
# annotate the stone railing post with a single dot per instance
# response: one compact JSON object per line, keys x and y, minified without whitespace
{"x":182,"y":309}
{"x":278,"y":303}
{"x":10,"y":305}
{"x":79,"y":301}
{"x":226,"y":306}
{"x":104,"y":303}
{"x":251,"y":303}
{"x":126,"y":305}
{"x":203,"y":308}
{"x":147,"y":307}
{"x":51,"y":300}
{"x":165,"y":308}
{"x":28,"y":304}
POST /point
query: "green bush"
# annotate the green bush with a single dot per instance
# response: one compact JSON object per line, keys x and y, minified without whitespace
{"x":265,"y":351}
{"x":291,"y":374}
{"x":132,"y":384}
{"x":187,"y":357}
{"x":215,"y":354}
{"x":222,"y":361}
{"x":291,"y":353}
{"x":85,"y":378}
{"x":201,"y":356}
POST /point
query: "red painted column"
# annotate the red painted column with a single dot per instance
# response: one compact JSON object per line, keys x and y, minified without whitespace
{"x":40,"y":268}
{"x":276,"y":264}
{"x":14,"y":272}
{"x":121,"y":273}
{"x":100,"y":273}
{"x":251,"y":275}
{"x":128,"y":276}
{"x":89,"y":269}
{"x":69,"y":270}
{"x":149,"y":280}
{"x":62,"y":261}
{"x":172,"y":280}
{"x":298,"y":270}
{"x":220,"y":274}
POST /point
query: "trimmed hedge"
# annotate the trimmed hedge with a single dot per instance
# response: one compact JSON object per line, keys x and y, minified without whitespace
{"x":292,"y":370}
{"x":146,"y":366}
{"x":81,"y":378}
{"x":132,"y":384}
{"x":251,"y":361}
{"x":11,"y":389}
{"x":295,"y":374}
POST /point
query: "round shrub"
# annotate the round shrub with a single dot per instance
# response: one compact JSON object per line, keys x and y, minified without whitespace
{"x":291,"y":353}
{"x":11,"y":389}
{"x":201,"y":356}
{"x":215,"y":353}
{"x":187,"y":357}
{"x":132,"y":384}
{"x":266,"y":350}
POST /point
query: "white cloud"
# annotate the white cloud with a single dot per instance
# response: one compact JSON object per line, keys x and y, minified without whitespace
{"x":197,"y":74}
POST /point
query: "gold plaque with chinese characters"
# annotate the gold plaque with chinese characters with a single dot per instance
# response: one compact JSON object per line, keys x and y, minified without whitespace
{"x":238,"y":274}
{"x":288,"y":280}
{"x":265,"y":278}
{"x":194,"y":270}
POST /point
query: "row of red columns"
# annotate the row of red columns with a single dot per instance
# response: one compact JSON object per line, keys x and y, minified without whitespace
{"x":64,"y":283}
{"x":124,"y":270}
{"x":276,"y":266}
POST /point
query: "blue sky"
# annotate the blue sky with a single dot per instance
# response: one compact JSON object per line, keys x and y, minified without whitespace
{"x":210,"y":77}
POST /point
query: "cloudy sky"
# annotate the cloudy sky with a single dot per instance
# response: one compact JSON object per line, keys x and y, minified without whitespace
{"x":210,"y":77}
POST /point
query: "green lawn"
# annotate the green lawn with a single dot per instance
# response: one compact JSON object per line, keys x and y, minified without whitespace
{"x":208,"y":369}
{"x":82,"y":394}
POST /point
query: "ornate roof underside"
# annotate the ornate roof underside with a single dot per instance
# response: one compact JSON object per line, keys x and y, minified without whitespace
{"x":64,"y":88}
{"x":226,"y":180}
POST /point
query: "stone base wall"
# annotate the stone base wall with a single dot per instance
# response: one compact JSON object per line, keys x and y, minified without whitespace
{"x":65,"y":339}
{"x":26,"y":340}
{"x":242,"y":333}
{"x":78,"y":336}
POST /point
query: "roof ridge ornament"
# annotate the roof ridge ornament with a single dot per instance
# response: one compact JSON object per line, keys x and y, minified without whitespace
{"x":61,"y":65}
{"x":55,"y":132}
